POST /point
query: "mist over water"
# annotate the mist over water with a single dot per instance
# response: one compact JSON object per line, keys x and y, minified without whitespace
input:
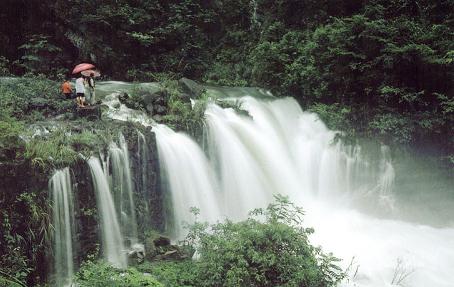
{"x":279,"y":148}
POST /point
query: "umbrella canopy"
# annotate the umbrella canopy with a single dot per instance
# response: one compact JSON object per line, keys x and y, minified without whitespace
{"x":89,"y":72}
{"x":82,"y":67}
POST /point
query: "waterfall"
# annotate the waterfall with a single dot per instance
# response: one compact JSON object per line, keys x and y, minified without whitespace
{"x":191,"y":181}
{"x":112,"y":240}
{"x":64,"y":228}
{"x":278,"y":148}
{"x":121,"y":185}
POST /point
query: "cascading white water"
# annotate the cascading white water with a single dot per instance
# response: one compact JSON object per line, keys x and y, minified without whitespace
{"x":281,"y":149}
{"x":64,"y":228}
{"x":112,"y":239}
{"x":189,"y":176}
{"x":121,"y":185}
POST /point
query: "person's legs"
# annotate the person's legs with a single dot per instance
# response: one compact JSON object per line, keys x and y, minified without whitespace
{"x":82,"y":101}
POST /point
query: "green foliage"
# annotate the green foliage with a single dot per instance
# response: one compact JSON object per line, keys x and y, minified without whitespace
{"x":335,"y":116}
{"x":172,"y":273}
{"x":392,"y":127}
{"x":31,"y":99}
{"x":4,"y":67}
{"x":15,"y":263}
{"x":23,"y":242}
{"x":10,"y":132}
{"x":100,"y":274}
{"x":270,"y":248}
{"x":40,"y":56}
{"x":61,"y":148}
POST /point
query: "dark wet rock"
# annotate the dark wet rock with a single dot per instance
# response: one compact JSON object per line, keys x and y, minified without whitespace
{"x":160,"y":110}
{"x":38,"y":103}
{"x":161,"y":240}
{"x":90,"y":112}
{"x":190,"y":88}
{"x":154,"y":97}
{"x":156,"y":244}
{"x":136,"y":255}
{"x":123,"y":97}
{"x":149,"y":108}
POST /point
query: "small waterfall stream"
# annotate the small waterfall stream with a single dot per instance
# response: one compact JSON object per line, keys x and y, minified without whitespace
{"x":121,"y":185}
{"x":112,"y":239}
{"x":64,"y":226}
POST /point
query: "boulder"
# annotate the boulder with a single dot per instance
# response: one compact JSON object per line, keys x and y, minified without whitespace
{"x":158,"y":247}
{"x":149,"y":108}
{"x":123,"y":97}
{"x":160,"y":110}
{"x":161,"y":241}
{"x":172,"y":252}
{"x":137,"y":254}
{"x":191,"y":88}
{"x":154,"y":97}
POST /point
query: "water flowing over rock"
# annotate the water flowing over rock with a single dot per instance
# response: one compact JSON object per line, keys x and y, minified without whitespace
{"x":112,"y":239}
{"x":279,"y":148}
{"x":121,"y":185}
{"x":64,"y":225}
{"x":189,"y":176}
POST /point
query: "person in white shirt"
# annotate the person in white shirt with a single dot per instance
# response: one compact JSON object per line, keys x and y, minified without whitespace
{"x":80,"y":91}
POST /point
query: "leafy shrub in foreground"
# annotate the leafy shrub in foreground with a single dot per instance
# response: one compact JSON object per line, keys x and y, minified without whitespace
{"x":101,"y":274}
{"x":270,"y":248}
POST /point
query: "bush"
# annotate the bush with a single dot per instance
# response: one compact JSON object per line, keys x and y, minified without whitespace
{"x":172,"y":273}
{"x":101,"y":274}
{"x":334,"y":116}
{"x":10,"y":142}
{"x":270,"y":248}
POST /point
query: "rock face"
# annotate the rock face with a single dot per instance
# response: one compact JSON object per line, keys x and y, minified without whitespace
{"x":90,"y":112}
{"x":190,"y":88}
{"x":155,"y":102}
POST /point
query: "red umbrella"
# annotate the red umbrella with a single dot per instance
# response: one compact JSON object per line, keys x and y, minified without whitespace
{"x":89,"y":72}
{"x":82,"y":67}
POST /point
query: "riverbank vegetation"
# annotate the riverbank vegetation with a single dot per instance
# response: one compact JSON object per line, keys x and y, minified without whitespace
{"x":270,"y":248}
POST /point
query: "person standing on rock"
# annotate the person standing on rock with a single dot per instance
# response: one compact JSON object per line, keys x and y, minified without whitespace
{"x":80,"y":91}
{"x":91,"y":88}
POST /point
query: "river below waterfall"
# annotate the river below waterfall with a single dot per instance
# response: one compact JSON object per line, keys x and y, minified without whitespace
{"x":351,"y":194}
